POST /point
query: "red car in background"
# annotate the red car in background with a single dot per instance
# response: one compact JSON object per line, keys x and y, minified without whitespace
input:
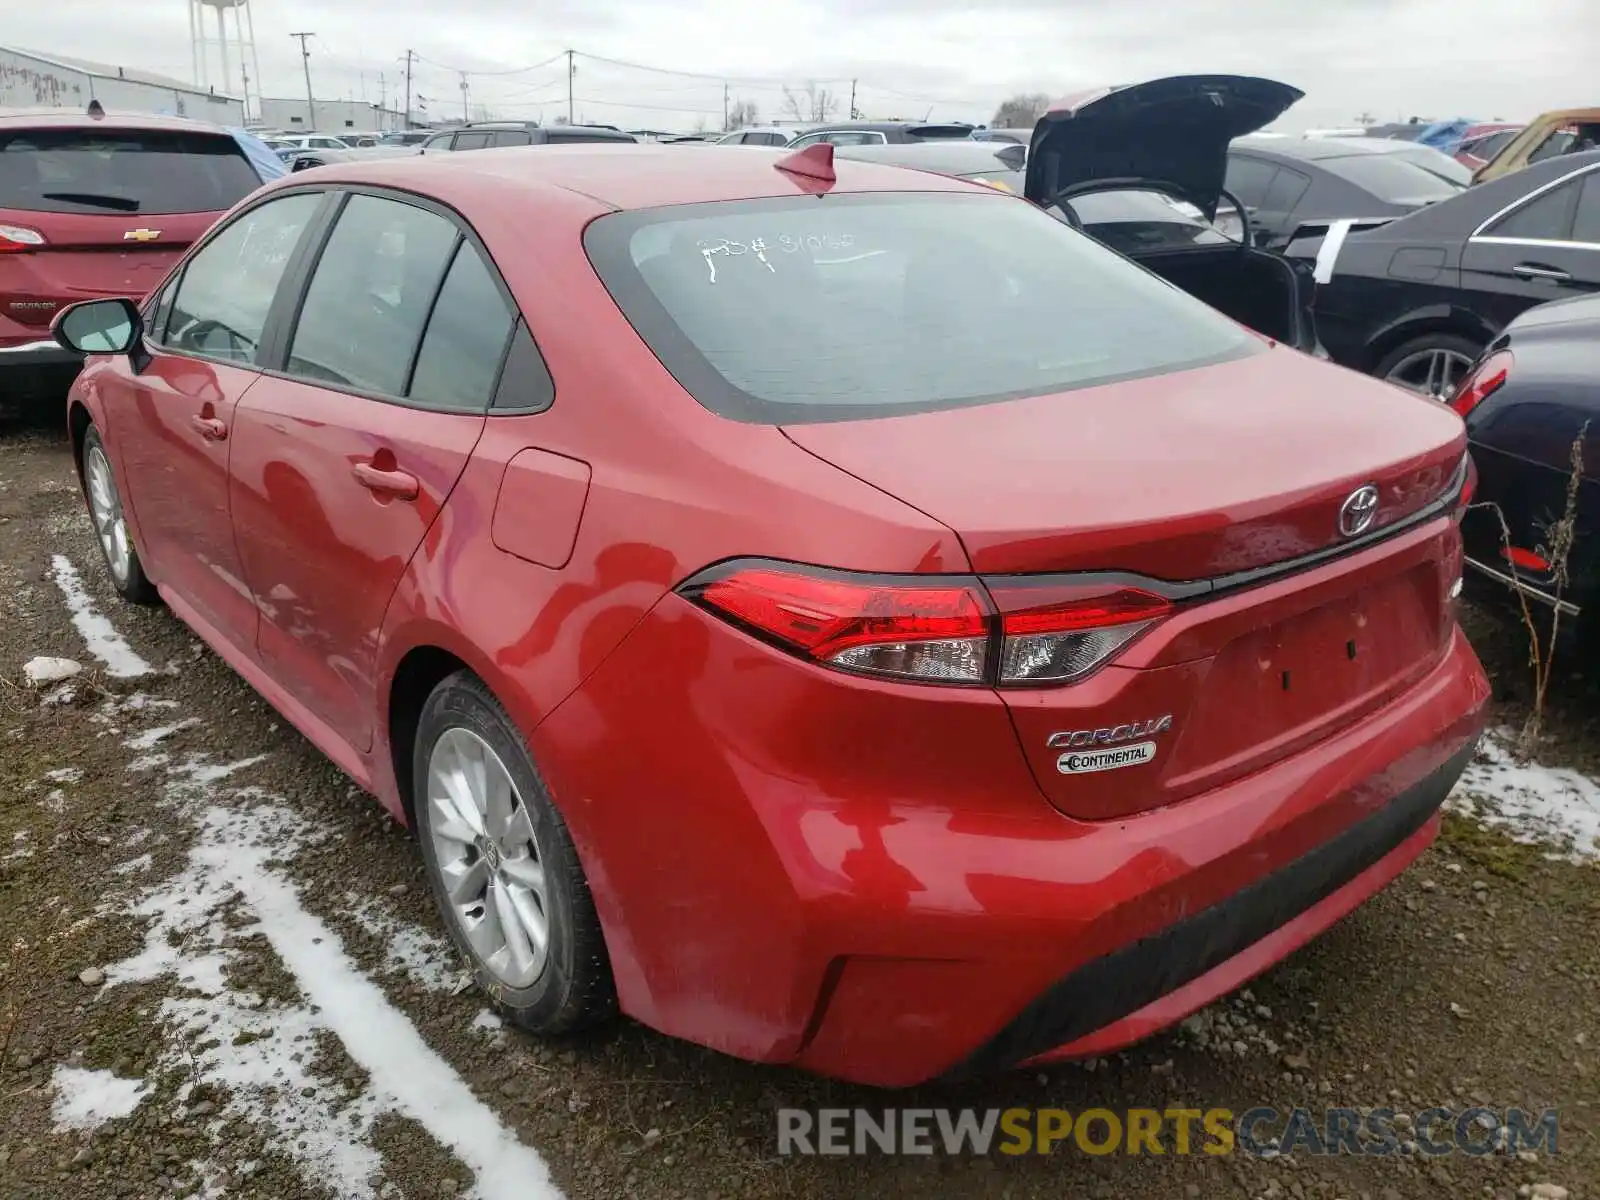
{"x":96,"y":206}
{"x":1480,"y":143}
{"x":841,"y":615}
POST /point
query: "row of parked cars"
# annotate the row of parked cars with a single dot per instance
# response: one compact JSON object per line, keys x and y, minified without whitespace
{"x":583,"y":504}
{"x":1380,"y":253}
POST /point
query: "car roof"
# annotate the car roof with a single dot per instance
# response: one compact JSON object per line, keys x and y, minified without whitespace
{"x":885,"y":126}
{"x":621,"y":177}
{"x":1317,"y":149}
{"x":63,"y":118}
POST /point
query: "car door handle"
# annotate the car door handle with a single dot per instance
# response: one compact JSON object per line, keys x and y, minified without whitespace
{"x":1529,"y":271}
{"x":209,"y":428}
{"x":387,"y":483}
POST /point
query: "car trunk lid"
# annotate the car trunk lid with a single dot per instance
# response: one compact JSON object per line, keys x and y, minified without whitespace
{"x":87,"y":257}
{"x":1175,"y":130}
{"x":1183,"y":476}
{"x":1230,"y":480}
{"x":105,"y":210}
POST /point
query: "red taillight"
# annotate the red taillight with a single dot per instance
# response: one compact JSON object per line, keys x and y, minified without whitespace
{"x":939,"y":630}
{"x":1059,"y":631}
{"x":19,"y":239}
{"x":1487,"y":378}
{"x":1526,"y":560}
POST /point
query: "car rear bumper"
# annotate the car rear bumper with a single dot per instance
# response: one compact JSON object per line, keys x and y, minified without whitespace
{"x":35,"y":374}
{"x":42,"y":352}
{"x":785,"y":875}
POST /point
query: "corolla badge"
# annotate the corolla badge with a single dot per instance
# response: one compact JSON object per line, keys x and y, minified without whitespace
{"x":1357,"y":512}
{"x":1108,"y":748}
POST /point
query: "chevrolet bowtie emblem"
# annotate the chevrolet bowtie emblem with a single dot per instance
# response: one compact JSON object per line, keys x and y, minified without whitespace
{"x":141,"y":235}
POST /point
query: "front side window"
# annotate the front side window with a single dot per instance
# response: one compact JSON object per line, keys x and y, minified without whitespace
{"x":228,"y":286}
{"x":1557,"y":143}
{"x":856,"y":137}
{"x":369,"y":296}
{"x":853,"y":305}
{"x":1546,"y":218}
{"x":441,"y":142}
{"x":477,"y":140}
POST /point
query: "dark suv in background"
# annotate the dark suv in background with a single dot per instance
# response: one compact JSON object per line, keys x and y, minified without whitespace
{"x":487,"y":135}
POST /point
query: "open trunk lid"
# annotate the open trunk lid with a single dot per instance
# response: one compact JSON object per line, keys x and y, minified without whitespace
{"x":1175,"y":130}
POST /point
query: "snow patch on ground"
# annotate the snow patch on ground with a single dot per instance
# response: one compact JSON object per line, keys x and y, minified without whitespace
{"x":259,"y":1053}
{"x":55,"y":801}
{"x":101,"y":637}
{"x":64,"y":775}
{"x":134,"y":865}
{"x":86,"y":1099}
{"x":148,"y":739}
{"x":423,"y":957}
{"x":1528,"y":802}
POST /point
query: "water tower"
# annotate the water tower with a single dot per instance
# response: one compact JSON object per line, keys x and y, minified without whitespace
{"x":236,"y":65}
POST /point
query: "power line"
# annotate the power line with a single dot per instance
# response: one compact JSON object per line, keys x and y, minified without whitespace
{"x":516,"y":71}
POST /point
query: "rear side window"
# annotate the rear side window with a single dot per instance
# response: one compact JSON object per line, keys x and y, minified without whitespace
{"x":1285,"y":191}
{"x":228,"y":286}
{"x":1547,"y":218}
{"x":513,"y":137}
{"x":567,"y":135}
{"x":370,"y":295}
{"x":460,"y":356}
{"x":869,"y":304}
{"x":1249,"y":179}
{"x":107,"y":171}
{"x":1586,"y":222}
{"x":1391,"y":178}
{"x":473,"y":141}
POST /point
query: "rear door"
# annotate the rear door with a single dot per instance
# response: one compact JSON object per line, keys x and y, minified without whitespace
{"x":345,"y":453}
{"x":97,"y":211}
{"x":1546,"y":248}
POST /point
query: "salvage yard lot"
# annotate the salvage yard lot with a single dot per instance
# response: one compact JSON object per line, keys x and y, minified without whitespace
{"x":221,"y":972}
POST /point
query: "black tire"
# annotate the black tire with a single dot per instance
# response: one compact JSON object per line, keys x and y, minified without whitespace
{"x":575,"y":989}
{"x":131,"y":584}
{"x":1451,"y":342}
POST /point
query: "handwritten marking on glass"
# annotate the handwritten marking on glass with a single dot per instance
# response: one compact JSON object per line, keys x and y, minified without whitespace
{"x":788,"y":243}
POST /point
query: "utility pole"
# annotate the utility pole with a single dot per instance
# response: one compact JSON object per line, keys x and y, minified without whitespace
{"x":571,"y":70}
{"x":724,"y":107}
{"x":466,"y":96}
{"x":305,"y":56}
{"x":410,"y":55}
{"x":383,"y":99}
{"x":853,"y":116}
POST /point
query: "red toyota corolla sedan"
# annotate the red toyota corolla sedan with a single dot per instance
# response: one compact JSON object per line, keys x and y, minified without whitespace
{"x":851,"y":620}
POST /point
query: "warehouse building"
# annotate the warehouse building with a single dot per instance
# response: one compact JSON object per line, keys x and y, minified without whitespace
{"x":31,"y":80}
{"x":332,"y":116}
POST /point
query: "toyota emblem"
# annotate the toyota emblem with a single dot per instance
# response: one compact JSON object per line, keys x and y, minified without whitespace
{"x":1356,"y":514}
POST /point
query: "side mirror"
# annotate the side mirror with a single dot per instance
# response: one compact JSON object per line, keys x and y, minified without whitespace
{"x":99,"y":326}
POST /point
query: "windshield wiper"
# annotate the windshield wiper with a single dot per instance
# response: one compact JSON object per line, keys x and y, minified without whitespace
{"x":121,"y":203}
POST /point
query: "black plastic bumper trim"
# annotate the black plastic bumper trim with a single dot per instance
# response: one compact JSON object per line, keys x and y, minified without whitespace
{"x":1119,"y":984}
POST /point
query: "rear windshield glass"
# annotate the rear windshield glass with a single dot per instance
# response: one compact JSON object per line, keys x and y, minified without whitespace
{"x":115,"y":171}
{"x":854,"y":305}
{"x":1390,"y":177}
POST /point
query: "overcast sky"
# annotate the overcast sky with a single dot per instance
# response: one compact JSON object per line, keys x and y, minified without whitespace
{"x":1390,"y":58}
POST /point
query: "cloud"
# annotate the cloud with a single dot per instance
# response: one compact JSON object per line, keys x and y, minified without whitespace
{"x":945,"y":58}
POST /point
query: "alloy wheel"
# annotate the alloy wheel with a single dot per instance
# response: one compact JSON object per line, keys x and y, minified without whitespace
{"x":488,"y":857}
{"x":105,"y":507}
{"x":1434,"y":372}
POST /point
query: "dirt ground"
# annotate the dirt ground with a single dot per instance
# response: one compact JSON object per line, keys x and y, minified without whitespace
{"x":193,"y":900}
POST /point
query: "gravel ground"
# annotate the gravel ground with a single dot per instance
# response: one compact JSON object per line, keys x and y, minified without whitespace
{"x":221,"y":974}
